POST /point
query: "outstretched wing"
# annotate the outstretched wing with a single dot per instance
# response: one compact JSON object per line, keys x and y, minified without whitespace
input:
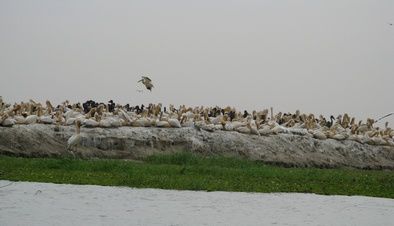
{"x":144,"y":77}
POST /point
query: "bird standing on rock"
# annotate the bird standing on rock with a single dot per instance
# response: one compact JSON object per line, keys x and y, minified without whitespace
{"x":147,"y":82}
{"x":75,"y":139}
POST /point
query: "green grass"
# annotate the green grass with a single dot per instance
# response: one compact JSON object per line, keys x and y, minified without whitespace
{"x":192,"y":172}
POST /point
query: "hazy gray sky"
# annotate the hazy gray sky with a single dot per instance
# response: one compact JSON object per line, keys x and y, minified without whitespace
{"x":324,"y":57}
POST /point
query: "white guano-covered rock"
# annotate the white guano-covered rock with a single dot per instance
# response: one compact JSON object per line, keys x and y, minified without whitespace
{"x":40,"y":140}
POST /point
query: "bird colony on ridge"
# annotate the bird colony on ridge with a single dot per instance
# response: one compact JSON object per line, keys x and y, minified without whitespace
{"x":260,"y":123}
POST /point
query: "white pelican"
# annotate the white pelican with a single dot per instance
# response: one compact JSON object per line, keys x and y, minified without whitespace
{"x":90,"y":123}
{"x":75,"y":139}
{"x":141,"y":122}
{"x":174,"y":123}
{"x":265,"y":130}
{"x":378,"y":140}
{"x":7,"y":121}
{"x":319,"y":134}
{"x":125,"y":116}
{"x":186,"y":121}
{"x":340,"y":136}
{"x":279,"y":129}
{"x":31,"y":119}
{"x":19,"y":119}
{"x":111,"y":121}
{"x":164,"y":124}
{"x":253,"y":129}
{"x":46,"y":119}
{"x":235,"y":125}
{"x":243,"y":129}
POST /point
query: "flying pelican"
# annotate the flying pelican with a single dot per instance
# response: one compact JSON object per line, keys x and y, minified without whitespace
{"x":147,"y":82}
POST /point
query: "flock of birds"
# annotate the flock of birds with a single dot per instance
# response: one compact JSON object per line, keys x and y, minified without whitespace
{"x":91,"y":114}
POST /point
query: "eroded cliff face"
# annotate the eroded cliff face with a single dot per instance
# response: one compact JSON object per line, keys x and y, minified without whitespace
{"x":40,"y":140}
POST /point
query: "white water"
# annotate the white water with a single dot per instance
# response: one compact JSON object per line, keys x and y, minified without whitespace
{"x":25,"y":203}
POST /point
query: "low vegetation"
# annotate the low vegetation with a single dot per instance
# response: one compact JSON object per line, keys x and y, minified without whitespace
{"x":192,"y":172}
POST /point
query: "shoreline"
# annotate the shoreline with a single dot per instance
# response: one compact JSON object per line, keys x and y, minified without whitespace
{"x":39,"y":140}
{"x":60,"y":204}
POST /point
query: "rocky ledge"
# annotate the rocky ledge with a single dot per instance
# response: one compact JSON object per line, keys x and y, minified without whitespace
{"x":39,"y":140}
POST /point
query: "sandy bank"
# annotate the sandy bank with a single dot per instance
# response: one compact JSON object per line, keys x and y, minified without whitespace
{"x":136,"y":142}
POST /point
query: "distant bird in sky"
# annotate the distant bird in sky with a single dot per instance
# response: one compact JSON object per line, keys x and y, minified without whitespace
{"x":391,"y":24}
{"x":147,"y":82}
